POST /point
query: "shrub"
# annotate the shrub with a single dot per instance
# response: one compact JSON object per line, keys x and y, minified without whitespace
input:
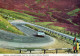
{"x":72,"y":13}
{"x":33,"y":13}
{"x":73,"y":34}
{"x":69,"y":33}
{"x":77,"y":34}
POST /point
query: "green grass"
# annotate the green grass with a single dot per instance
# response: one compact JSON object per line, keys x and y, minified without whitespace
{"x":43,"y":23}
{"x":72,"y":13}
{"x":16,"y":15}
{"x":57,"y":28}
{"x":33,"y":13}
{"x":33,"y":27}
{"x":46,"y":24}
{"x":5,"y":25}
{"x":38,"y":0}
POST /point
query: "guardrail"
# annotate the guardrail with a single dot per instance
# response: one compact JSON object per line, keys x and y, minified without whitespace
{"x":69,"y":50}
{"x":56,"y":32}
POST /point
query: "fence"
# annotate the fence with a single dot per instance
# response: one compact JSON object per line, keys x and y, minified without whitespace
{"x":69,"y":50}
{"x":56,"y":32}
{"x":59,"y":33}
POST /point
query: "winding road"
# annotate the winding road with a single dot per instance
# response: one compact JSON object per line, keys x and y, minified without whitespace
{"x":11,"y":40}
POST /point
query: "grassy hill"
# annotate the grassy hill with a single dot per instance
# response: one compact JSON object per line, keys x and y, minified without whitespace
{"x":12,"y":15}
{"x":5,"y":25}
{"x":6,"y":15}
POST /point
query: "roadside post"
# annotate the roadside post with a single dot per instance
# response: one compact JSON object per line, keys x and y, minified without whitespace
{"x":20,"y":51}
{"x":30,"y":51}
{"x":44,"y":51}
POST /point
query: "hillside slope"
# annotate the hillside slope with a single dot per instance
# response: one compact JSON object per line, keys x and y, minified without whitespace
{"x":53,"y":10}
{"x":5,"y":25}
{"x":56,"y":7}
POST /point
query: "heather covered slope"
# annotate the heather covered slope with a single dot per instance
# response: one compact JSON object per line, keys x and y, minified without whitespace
{"x":42,"y":6}
{"x":57,"y":8}
{"x":58,"y":11}
{"x":24,"y":4}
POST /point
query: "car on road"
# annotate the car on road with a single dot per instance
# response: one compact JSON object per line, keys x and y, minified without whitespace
{"x":40,"y":33}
